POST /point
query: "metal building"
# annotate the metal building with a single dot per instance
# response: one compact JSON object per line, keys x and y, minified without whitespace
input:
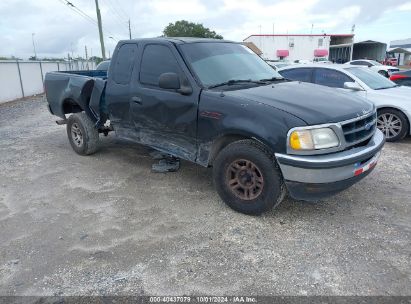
{"x":401,"y":50}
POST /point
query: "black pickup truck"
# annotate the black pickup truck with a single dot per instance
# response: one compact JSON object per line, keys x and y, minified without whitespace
{"x":216,"y":103}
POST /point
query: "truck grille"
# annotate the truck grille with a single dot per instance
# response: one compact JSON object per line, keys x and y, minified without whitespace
{"x":359,"y":130}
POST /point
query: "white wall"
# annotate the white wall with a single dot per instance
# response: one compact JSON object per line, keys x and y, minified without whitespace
{"x":9,"y":81}
{"x":304,"y":46}
{"x":31,"y":73}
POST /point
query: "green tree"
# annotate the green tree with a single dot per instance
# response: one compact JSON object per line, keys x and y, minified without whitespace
{"x":184,"y":28}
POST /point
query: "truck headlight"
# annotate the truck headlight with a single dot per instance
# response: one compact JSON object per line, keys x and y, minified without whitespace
{"x":313,"y":139}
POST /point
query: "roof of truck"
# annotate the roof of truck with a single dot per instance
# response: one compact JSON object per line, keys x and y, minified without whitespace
{"x":179,"y":40}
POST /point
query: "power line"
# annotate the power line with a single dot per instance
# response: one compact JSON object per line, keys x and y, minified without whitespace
{"x":116,"y":16}
{"x":116,"y":8}
{"x":122,"y":10}
{"x":78,"y":11}
{"x":75,"y":9}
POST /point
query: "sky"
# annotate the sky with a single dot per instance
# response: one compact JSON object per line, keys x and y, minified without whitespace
{"x":58,"y":29}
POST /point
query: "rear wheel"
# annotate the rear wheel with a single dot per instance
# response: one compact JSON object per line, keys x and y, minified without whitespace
{"x":82,"y":134}
{"x":247,"y":178}
{"x":393,"y":124}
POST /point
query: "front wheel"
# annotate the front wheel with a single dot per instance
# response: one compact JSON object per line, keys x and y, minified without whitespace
{"x":82,"y":134}
{"x":393,"y":124}
{"x":247,"y":178}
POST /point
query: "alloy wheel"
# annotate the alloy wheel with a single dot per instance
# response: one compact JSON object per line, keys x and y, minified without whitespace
{"x":76,"y":135}
{"x":244,"y":179}
{"x":389,"y":124}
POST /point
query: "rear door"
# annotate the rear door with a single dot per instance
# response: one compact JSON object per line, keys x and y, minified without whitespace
{"x":330,"y":78}
{"x":163,"y":118}
{"x":334,"y":79}
{"x":298,"y":74}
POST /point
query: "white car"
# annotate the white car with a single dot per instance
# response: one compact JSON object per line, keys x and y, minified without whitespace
{"x":321,"y":60}
{"x":384,"y":70}
{"x":277,"y":64}
{"x":393,"y":102}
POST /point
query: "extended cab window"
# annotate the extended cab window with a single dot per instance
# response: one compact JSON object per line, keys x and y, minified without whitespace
{"x":330,"y":78}
{"x":303,"y":74}
{"x":123,"y":66}
{"x":157,"y":59}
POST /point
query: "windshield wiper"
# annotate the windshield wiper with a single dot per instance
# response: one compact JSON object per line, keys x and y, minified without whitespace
{"x":274,"y":79}
{"x":235,"y":81}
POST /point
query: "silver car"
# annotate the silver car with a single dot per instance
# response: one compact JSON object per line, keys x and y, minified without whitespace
{"x":392,"y":101}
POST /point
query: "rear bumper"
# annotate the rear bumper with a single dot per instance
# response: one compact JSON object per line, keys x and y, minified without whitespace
{"x":317,"y":176}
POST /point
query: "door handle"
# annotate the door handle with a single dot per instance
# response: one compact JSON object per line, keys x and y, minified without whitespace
{"x":137,"y":99}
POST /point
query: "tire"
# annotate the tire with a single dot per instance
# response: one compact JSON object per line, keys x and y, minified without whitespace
{"x":82,"y":134}
{"x":393,"y":124}
{"x":256,"y":182}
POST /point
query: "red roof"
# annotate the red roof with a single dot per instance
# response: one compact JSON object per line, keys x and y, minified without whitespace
{"x":299,"y":35}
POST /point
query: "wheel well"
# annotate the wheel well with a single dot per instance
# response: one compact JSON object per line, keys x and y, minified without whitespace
{"x":223,"y":141}
{"x":391,"y":108}
{"x":71,"y":106}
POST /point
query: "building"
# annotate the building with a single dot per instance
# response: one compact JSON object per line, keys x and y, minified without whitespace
{"x":401,"y":49}
{"x":369,"y":49}
{"x":304,"y":47}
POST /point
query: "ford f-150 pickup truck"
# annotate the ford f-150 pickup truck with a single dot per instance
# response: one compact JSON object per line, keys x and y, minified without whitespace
{"x":216,"y":103}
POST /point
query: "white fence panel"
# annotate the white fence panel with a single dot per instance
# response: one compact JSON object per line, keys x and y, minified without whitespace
{"x":9,"y":82}
{"x":31,"y":78}
{"x":49,"y":67}
{"x":31,"y":83}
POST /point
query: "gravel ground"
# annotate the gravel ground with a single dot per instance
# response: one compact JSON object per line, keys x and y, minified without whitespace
{"x":104,"y":224}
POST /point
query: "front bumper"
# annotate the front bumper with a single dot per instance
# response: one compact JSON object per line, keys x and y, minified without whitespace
{"x":316,"y":176}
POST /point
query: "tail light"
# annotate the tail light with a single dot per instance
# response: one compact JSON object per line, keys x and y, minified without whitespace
{"x":397,"y":76}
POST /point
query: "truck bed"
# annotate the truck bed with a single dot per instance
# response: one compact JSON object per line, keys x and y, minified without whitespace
{"x":89,"y":73}
{"x":75,"y":91}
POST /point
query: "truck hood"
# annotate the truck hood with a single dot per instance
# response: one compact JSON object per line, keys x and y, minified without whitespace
{"x":312,"y":103}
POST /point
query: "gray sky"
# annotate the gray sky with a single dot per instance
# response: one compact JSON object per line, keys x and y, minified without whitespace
{"x":59,"y":30}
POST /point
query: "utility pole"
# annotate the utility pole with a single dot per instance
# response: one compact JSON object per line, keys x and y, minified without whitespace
{"x":85,"y":49}
{"x":129,"y":28}
{"x":34,"y":46}
{"x":100,"y":31}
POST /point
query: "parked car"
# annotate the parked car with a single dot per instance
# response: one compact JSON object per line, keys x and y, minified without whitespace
{"x":393,"y":102}
{"x":390,"y":61}
{"x":216,"y":103}
{"x":103,"y":66}
{"x":303,"y":61}
{"x":278,"y":64}
{"x":384,"y":70}
{"x":321,"y":60}
{"x":402,"y":78}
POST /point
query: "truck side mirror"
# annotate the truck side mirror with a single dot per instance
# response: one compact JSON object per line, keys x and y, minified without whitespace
{"x":169,"y":81}
{"x":353,"y":86}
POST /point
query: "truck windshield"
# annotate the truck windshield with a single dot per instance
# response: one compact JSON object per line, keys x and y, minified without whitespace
{"x":219,"y":62}
{"x":372,"y":79}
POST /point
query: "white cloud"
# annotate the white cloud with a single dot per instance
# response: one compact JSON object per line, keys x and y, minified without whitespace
{"x":58,"y":29}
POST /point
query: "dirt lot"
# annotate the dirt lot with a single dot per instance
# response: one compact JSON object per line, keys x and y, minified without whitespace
{"x":105,"y":224}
